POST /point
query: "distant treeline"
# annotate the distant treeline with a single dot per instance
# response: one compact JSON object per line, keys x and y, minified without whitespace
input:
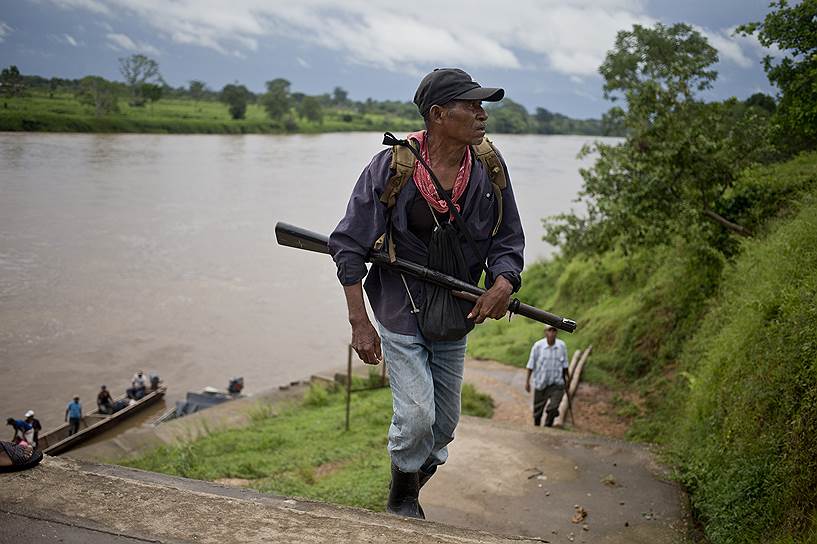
{"x":144,"y":85}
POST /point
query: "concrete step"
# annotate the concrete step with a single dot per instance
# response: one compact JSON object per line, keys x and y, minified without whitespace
{"x":86,"y":502}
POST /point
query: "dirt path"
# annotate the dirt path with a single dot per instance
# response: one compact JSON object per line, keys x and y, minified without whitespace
{"x":594,"y":409}
{"x":560,"y":485}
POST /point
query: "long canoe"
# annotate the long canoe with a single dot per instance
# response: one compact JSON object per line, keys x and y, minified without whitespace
{"x":58,"y":441}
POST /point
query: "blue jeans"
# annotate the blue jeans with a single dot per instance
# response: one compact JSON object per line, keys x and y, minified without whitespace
{"x":426,"y":384}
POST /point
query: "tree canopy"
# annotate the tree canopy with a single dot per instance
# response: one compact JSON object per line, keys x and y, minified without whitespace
{"x":236,"y":97}
{"x":139,"y":70}
{"x":277,"y":99}
{"x":791,"y":28}
{"x":11,"y":82}
{"x":670,"y":176}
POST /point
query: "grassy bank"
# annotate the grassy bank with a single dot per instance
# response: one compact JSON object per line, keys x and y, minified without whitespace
{"x":303,"y":450}
{"x":63,"y":113}
{"x":721,"y":348}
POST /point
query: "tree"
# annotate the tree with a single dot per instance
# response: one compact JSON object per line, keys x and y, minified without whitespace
{"x":98,"y":93}
{"x":340,"y":96}
{"x":792,"y":29}
{"x":669,"y":177}
{"x":236,"y":97}
{"x":138,"y":70}
{"x":11,"y":81}
{"x":762,"y":101}
{"x":197,"y":89}
{"x":310,"y":108}
{"x":276,"y":100}
{"x":152,"y":93}
{"x":508,"y":117}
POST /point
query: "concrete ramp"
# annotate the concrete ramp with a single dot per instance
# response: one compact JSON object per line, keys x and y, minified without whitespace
{"x":69,"y":501}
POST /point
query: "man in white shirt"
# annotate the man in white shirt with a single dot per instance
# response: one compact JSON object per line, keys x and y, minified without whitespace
{"x":548,"y":366}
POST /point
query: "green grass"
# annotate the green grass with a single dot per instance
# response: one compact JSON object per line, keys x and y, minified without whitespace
{"x":63,"y":113}
{"x":302,"y":449}
{"x":746,"y":443}
{"x":723,"y":349}
{"x":475,"y":403}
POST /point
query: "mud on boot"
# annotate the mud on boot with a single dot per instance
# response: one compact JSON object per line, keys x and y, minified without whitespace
{"x":403,"y":493}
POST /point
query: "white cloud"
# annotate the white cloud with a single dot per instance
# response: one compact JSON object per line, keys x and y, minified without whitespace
{"x":302,"y":62}
{"x":5,"y":30}
{"x":571,"y":36}
{"x":728,"y":46}
{"x":95,"y":6}
{"x":124,"y":42}
{"x":754,"y":46}
{"x":65,"y":39}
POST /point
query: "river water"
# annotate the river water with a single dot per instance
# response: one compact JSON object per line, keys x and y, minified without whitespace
{"x":158,"y":252}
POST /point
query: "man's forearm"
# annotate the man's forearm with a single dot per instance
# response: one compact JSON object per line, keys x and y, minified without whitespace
{"x":354,"y":303}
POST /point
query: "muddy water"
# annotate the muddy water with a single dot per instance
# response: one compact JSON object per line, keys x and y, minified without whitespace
{"x":155,"y":252}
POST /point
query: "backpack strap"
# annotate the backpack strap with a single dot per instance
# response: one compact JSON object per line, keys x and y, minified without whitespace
{"x":402,"y":164}
{"x":489,"y":156}
{"x":487,"y":153}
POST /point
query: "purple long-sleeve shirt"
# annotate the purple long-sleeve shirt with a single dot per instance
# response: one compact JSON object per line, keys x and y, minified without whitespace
{"x":365,"y":222}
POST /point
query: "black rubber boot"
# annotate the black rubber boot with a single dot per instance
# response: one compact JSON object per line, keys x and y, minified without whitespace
{"x":403,"y":492}
{"x":422,"y":478}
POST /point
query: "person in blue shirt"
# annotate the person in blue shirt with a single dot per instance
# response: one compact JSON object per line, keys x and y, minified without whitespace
{"x":548,"y":366}
{"x":22,"y":430}
{"x":73,"y":415}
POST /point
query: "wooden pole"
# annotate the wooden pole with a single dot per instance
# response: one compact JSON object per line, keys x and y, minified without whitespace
{"x":575,"y":376}
{"x":348,"y":384}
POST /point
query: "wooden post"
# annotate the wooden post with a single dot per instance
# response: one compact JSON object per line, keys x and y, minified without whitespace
{"x":348,"y":384}
{"x":576,"y":366}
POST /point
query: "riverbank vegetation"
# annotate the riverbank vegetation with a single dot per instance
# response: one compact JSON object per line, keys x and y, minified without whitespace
{"x":694,"y":275}
{"x":144,"y":102}
{"x":303,"y":449}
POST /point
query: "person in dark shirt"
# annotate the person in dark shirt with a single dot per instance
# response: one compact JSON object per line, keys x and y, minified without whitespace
{"x":426,"y":375}
{"x":104,"y":401}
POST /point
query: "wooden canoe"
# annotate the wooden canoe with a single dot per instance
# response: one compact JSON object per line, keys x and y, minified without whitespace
{"x":58,"y":441}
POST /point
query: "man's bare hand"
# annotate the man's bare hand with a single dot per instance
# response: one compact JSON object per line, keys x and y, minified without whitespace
{"x":366,"y":342}
{"x":494,"y":302}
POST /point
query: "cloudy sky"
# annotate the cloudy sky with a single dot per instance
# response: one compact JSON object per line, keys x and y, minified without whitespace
{"x":543,"y":52}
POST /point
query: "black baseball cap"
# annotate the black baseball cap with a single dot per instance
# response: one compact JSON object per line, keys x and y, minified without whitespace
{"x":446,"y":84}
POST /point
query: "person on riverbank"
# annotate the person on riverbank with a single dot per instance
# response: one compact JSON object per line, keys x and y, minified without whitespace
{"x":426,"y":373}
{"x":548,"y":366}
{"x":23,"y":432}
{"x":73,"y":415}
{"x":36,"y":427}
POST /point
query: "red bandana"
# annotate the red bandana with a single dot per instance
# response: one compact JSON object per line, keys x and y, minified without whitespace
{"x":424,"y":183}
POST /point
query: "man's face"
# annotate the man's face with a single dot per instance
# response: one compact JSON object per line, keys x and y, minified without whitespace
{"x":551,"y":335}
{"x":464,"y":122}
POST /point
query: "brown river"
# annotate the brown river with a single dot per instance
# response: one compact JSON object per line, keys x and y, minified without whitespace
{"x":158,"y":252}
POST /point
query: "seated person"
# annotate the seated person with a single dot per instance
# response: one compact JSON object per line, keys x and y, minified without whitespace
{"x":104,"y":401}
{"x":138,"y":386}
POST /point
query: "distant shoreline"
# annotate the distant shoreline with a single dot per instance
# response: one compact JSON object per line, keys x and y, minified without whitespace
{"x":39,"y":111}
